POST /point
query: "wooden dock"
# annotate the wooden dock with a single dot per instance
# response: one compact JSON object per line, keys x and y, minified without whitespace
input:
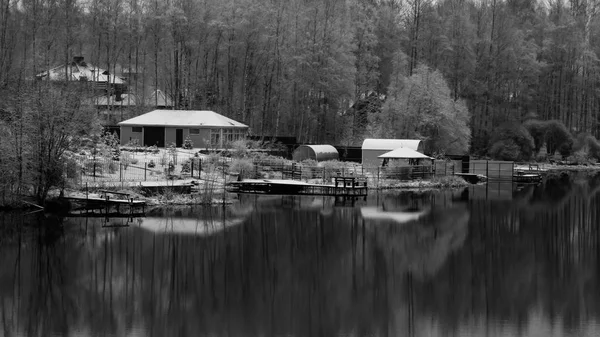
{"x":174,"y":186}
{"x":343,"y":187}
{"x":527,"y":177}
{"x":106,"y":205}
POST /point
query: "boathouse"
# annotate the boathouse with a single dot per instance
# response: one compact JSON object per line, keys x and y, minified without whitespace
{"x":206,"y":129}
{"x":315,"y":152}
{"x":373,"y":148}
{"x":409,"y":156}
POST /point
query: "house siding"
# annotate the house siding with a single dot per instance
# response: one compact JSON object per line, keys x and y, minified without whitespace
{"x":200,"y":141}
{"x":170,"y":136}
{"x":128,"y":135}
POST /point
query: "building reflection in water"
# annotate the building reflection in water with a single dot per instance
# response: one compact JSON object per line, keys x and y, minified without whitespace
{"x":398,"y":264}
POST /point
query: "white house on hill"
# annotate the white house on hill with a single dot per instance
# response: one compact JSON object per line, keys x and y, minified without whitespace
{"x":163,"y":127}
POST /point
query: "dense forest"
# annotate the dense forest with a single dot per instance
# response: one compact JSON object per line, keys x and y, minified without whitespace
{"x":454,"y":72}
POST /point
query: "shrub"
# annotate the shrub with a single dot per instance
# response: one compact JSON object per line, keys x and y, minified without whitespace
{"x":72,"y":168}
{"x":126,"y":159}
{"x":151,"y":164}
{"x":554,"y":135}
{"x":587,"y":143}
{"x":93,"y":167}
{"x":518,"y":140}
{"x":537,"y":130}
{"x":163,"y":159}
{"x":187,"y":143}
{"x":506,"y":149}
{"x":594,"y":147}
{"x":332,"y":168}
{"x":558,"y":138}
{"x":134,"y":143}
{"x":307,"y":167}
{"x":449,"y":181}
{"x":243,"y":166}
{"x":186,"y":167}
{"x":134,"y":161}
{"x":581,"y":157}
{"x":212,"y":159}
{"x":239,"y":149}
{"x":112,"y":167}
{"x":397,"y":169}
{"x":116,"y":154}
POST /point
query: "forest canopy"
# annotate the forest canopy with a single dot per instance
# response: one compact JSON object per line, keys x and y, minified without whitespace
{"x":321,"y":70}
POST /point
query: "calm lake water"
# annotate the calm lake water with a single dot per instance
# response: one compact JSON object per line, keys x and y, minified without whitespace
{"x":495,"y":260}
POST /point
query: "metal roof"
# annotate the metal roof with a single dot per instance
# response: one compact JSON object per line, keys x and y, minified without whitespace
{"x":321,"y":152}
{"x":80,"y":72}
{"x":390,"y":144}
{"x":404,"y":153}
{"x":185,"y":118}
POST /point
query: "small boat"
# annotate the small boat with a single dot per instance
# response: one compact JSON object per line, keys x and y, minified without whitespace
{"x":527,"y":178}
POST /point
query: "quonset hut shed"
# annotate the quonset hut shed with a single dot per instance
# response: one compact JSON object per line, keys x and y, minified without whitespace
{"x":315,"y":152}
{"x":373,"y":148}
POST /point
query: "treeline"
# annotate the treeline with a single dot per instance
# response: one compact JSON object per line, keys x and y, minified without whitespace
{"x":323,"y":71}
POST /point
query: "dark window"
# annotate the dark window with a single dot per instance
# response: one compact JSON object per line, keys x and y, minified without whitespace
{"x":194,"y":131}
{"x":136,"y":129}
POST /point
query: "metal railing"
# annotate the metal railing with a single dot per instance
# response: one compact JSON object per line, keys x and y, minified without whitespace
{"x":107,"y":171}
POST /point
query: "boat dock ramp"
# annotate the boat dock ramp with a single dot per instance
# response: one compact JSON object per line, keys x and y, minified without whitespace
{"x":108,"y":203}
{"x":342,"y":187}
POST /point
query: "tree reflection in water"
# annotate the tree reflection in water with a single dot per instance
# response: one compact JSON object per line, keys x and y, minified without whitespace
{"x":291,"y":266}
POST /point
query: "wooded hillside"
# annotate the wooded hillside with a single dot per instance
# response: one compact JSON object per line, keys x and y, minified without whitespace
{"x":321,"y":70}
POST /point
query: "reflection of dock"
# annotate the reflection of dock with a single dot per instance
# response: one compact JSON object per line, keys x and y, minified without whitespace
{"x":343,"y":187}
{"x":527,"y":177}
{"x":105,"y":206}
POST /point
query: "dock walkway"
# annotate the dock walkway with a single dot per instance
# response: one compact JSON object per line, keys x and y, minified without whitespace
{"x":343,"y":186}
{"x":105,"y":205}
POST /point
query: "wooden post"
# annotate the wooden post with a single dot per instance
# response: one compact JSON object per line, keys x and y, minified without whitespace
{"x":377,"y":176}
{"x":192,"y":167}
{"x":487,"y":169}
{"x":145,"y":171}
{"x":120,"y":172}
{"x":512,"y":171}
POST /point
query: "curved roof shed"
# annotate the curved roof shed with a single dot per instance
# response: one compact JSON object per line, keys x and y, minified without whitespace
{"x":392,"y":144}
{"x":315,"y":152}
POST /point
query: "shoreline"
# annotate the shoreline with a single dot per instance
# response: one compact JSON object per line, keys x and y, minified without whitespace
{"x":547,"y":167}
{"x":217,"y":198}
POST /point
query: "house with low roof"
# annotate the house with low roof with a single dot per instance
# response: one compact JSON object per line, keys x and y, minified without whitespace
{"x":206,"y":129}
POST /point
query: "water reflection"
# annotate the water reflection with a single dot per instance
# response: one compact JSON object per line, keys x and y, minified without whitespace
{"x":506,"y":261}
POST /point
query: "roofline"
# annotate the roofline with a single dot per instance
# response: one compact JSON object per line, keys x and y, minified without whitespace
{"x":188,"y":126}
